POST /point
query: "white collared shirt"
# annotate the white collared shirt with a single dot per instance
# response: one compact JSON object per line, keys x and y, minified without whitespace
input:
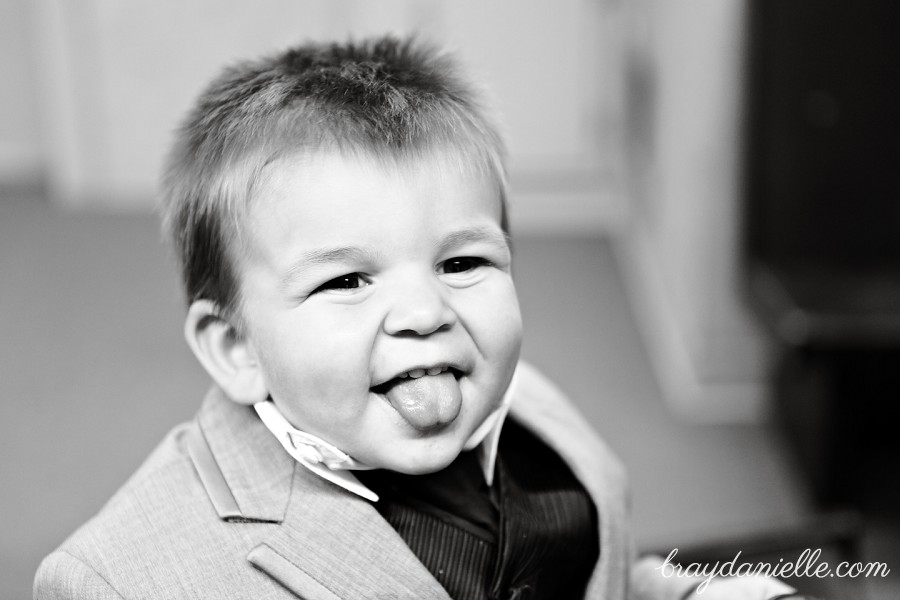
{"x":329,"y":462}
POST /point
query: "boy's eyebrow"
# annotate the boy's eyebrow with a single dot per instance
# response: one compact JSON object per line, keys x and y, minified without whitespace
{"x":487,"y":235}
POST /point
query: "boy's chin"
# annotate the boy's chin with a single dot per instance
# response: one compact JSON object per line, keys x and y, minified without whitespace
{"x":422,"y":461}
{"x":425,"y":468}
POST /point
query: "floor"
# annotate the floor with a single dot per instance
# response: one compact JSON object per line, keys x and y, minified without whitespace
{"x":93,"y":371}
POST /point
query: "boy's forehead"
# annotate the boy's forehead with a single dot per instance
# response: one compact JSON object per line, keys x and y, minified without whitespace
{"x":292,"y":172}
{"x":311,"y":181}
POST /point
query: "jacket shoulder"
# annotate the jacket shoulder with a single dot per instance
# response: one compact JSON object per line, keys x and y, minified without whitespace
{"x":61,"y":575}
{"x":158,"y":536}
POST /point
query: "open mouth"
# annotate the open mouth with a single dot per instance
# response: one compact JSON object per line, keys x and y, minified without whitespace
{"x":426,"y":398}
{"x":383,"y":388}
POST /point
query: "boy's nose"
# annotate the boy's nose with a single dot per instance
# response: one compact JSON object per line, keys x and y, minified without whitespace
{"x":419,"y":307}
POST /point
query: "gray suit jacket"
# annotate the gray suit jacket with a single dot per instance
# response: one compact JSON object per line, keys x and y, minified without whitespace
{"x":219,"y":510}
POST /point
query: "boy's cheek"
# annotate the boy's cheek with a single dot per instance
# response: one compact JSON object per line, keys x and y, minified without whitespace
{"x":505,"y":320}
{"x":497,"y":299}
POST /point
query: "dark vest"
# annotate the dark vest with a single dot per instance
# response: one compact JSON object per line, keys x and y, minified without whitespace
{"x":532,"y":535}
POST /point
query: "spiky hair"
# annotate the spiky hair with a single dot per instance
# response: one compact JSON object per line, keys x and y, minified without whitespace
{"x":386,"y":98}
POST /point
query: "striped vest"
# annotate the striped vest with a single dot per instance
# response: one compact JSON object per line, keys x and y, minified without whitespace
{"x":532,"y":535}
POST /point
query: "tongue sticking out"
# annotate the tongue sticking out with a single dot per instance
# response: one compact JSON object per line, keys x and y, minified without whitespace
{"x":427,"y":401}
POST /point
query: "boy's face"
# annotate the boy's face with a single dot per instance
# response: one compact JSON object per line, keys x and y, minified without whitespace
{"x":379,"y":303}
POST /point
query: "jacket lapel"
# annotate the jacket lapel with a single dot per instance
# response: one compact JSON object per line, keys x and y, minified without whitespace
{"x":247,"y":474}
{"x":329,"y":544}
{"x":335,"y":545}
{"x":544,"y":409}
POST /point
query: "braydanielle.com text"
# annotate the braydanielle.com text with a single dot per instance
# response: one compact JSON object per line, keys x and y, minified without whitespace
{"x":806,"y":565}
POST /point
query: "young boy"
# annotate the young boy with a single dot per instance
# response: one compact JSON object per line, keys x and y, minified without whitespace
{"x":339,"y":212}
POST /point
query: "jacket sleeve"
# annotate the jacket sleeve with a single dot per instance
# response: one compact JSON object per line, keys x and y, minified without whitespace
{"x":62,"y":576}
{"x":650,"y":581}
{"x":654,"y":578}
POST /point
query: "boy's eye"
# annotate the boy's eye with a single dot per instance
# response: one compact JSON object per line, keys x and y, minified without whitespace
{"x":350,"y":281}
{"x":463,"y":264}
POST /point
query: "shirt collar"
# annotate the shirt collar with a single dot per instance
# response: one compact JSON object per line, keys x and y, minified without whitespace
{"x":331,"y":463}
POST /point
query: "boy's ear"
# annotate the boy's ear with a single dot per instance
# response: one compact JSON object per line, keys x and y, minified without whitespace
{"x":228,"y":358}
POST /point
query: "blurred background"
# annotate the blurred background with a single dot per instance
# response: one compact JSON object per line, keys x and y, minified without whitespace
{"x":707,"y":224}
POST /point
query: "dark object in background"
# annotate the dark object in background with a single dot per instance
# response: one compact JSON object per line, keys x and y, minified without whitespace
{"x":822,"y":243}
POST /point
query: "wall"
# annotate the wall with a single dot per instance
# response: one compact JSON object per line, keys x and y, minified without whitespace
{"x":19,"y":135}
{"x":680,"y":248}
{"x":116,"y":78}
